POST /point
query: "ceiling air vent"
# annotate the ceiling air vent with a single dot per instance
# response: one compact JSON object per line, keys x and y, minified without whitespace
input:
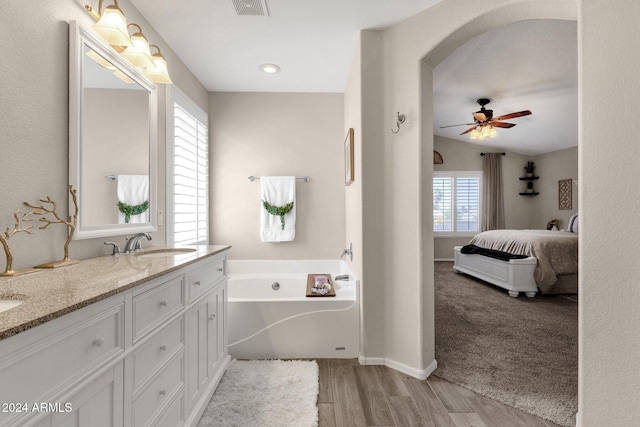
{"x":251,"y":7}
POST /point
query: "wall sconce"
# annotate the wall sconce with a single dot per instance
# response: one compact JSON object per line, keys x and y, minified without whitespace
{"x":399,"y":120}
{"x":112,"y":26}
{"x":159,"y":72}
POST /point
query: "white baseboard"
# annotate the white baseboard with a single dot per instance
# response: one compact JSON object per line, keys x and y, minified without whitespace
{"x":444,"y":259}
{"x":421,"y":374}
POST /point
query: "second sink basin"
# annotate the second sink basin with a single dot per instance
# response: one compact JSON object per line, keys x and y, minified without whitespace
{"x":7,"y":303}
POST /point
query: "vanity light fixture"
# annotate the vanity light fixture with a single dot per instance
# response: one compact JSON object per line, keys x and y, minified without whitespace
{"x":159,"y":72}
{"x":270,"y":68}
{"x":111,"y":25}
{"x":138,"y":53}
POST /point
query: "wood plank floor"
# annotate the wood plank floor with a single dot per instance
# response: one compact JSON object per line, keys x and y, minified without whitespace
{"x":352,"y":395}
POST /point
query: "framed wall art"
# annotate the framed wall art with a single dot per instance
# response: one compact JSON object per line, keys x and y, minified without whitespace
{"x":564,"y":194}
{"x":348,"y":158}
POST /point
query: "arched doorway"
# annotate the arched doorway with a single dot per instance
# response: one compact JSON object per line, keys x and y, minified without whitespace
{"x":467,"y":32}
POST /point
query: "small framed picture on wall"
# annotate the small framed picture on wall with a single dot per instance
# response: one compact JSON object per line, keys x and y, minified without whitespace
{"x":564,"y":194}
{"x":348,"y":158}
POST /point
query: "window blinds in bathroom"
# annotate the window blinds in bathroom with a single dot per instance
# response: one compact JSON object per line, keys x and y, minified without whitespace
{"x":190,"y":173}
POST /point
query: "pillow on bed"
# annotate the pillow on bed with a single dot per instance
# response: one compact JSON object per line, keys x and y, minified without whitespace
{"x":573,"y":224}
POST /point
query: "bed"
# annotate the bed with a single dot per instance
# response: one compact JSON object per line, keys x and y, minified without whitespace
{"x":543,"y":261}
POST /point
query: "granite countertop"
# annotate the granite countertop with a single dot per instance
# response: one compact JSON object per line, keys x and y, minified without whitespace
{"x":51,"y":293}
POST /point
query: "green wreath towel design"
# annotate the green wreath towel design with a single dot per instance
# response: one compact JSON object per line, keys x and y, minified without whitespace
{"x":129,"y":210}
{"x":280,"y":211}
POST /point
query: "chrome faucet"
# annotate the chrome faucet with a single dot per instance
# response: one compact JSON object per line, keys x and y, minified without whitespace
{"x":134,"y":243}
{"x":348,"y":252}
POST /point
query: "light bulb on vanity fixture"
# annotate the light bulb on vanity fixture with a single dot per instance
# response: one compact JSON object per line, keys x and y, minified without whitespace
{"x":159,"y":73}
{"x":111,"y":25}
{"x":139,"y":53}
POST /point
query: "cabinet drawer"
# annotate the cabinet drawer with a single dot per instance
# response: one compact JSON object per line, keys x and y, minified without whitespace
{"x":44,"y":367}
{"x":174,"y":415}
{"x":156,"y":305}
{"x":156,"y":397}
{"x":157,"y":350}
{"x":203,"y":276}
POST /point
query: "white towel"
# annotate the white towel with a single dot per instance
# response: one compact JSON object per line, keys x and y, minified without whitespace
{"x":133,"y":190}
{"x":277,"y":191}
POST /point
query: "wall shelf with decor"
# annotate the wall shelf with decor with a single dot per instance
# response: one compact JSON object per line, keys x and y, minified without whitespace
{"x":529,"y":177}
{"x":529,"y":191}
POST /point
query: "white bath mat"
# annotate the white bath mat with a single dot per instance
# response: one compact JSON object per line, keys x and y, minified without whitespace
{"x":265,"y":393}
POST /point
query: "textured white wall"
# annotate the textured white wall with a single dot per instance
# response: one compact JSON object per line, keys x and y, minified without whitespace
{"x":609,"y":66}
{"x":353,"y":193}
{"x":277,"y":134}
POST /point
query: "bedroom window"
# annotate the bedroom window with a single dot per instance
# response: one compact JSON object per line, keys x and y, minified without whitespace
{"x":187,"y":171}
{"x":457,"y":203}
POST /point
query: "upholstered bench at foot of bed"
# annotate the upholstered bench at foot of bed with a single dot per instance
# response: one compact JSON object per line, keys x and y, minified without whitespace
{"x":515,"y":275}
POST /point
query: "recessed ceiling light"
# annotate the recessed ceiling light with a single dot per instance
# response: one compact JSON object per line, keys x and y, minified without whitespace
{"x":270,"y":68}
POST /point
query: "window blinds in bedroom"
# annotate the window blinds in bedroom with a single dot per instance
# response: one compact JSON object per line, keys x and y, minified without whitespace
{"x":457,"y":202}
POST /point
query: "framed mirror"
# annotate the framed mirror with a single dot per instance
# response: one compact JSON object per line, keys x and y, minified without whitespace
{"x":112,"y":139}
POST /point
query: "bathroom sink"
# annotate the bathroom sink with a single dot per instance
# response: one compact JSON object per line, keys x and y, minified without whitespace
{"x":164,"y":252}
{"x":8,"y":303}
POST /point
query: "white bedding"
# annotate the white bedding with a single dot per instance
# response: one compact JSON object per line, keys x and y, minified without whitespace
{"x":556,"y":251}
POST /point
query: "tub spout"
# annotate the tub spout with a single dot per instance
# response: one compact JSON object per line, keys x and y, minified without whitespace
{"x":348,"y":252}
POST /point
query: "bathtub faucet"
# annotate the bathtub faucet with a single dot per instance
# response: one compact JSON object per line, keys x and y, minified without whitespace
{"x":348,"y":252}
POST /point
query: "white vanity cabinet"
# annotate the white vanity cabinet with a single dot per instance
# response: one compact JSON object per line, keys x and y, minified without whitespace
{"x":151,"y":355}
{"x":206,"y":333}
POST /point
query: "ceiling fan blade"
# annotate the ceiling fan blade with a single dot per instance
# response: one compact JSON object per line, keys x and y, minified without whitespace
{"x":502,"y":125}
{"x":468,"y":130}
{"x":513,"y":115}
{"x":461,"y":124}
{"x":479,"y":116}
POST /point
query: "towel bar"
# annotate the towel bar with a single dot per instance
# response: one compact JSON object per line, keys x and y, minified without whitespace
{"x":305,"y":178}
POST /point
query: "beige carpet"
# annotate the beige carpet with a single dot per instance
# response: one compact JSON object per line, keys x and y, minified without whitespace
{"x":521,"y":351}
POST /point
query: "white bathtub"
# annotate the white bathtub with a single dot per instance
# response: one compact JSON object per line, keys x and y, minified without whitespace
{"x":265,"y":323}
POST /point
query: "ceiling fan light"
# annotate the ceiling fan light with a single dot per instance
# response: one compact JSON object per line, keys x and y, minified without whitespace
{"x":474,"y":134}
{"x":485,"y":132}
{"x":493,"y":132}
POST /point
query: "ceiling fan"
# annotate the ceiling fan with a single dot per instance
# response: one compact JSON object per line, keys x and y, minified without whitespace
{"x":484,"y":119}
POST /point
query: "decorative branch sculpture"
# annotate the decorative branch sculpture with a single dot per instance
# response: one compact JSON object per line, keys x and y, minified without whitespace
{"x":4,"y":240}
{"x":48,"y":206}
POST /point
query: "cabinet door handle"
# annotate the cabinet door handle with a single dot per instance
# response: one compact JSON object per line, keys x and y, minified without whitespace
{"x":163,"y":392}
{"x":213,"y":316}
{"x":220,"y":269}
{"x":163,"y":347}
{"x":163,"y":303}
{"x":98,"y":342}
{"x":197,"y":283}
